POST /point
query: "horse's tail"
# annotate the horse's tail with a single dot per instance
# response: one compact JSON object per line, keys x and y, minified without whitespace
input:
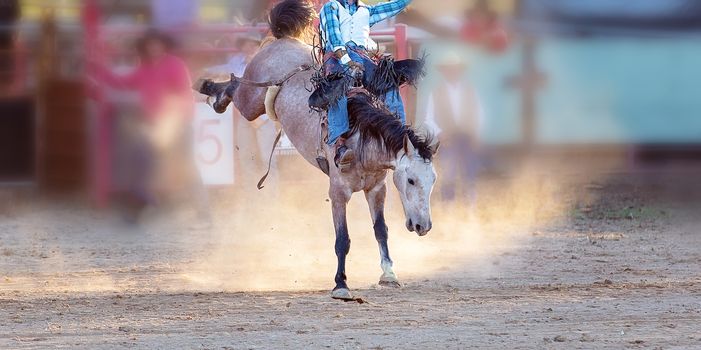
{"x":290,"y":18}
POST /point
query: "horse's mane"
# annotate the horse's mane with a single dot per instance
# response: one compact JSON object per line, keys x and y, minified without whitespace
{"x":376,"y":124}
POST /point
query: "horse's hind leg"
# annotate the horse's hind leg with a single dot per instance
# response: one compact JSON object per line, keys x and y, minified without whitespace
{"x":376,"y":202}
{"x":339,"y":201}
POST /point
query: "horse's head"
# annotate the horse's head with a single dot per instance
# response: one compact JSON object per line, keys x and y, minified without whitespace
{"x":414,"y":177}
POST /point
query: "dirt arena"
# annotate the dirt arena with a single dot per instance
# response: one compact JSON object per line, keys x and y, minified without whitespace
{"x":614,"y":263}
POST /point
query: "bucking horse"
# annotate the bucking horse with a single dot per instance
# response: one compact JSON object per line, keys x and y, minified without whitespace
{"x":276,"y":82}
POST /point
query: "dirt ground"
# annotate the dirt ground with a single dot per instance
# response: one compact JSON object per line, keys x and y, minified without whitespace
{"x":618,"y":266}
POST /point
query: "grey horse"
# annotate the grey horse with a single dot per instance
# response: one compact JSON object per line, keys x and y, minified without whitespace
{"x":378,"y":137}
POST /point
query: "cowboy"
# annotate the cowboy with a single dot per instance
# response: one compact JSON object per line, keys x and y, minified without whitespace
{"x":345,"y":26}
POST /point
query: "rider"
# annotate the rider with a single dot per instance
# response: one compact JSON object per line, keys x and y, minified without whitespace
{"x":346,"y":33}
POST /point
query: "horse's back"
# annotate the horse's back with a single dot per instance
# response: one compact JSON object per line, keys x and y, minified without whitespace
{"x":272,"y":62}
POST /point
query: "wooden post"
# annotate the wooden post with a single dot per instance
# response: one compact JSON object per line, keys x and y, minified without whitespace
{"x":46,"y":55}
{"x":528,"y":82}
{"x":401,"y":40}
{"x":100,"y":134}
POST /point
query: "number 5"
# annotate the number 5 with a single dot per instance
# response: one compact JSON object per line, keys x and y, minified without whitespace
{"x":203,"y":136}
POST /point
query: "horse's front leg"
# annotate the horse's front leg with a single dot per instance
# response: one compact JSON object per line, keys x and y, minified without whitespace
{"x":339,"y":199}
{"x":376,"y":202}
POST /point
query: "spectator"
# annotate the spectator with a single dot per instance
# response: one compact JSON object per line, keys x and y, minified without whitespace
{"x":454,"y":114}
{"x":163,"y":85}
{"x":482,"y":28}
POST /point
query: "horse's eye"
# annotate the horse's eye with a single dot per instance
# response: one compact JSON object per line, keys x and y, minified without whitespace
{"x":411,"y":182}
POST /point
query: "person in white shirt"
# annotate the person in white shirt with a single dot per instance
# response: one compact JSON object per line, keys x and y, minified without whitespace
{"x":454,"y":114}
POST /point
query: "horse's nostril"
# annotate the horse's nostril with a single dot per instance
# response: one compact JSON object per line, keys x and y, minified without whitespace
{"x":418,"y":228}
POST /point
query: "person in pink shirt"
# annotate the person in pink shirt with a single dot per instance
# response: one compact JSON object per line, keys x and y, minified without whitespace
{"x":162,"y":83}
{"x":161,"y":78}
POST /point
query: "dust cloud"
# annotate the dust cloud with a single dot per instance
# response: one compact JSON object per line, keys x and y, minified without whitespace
{"x":266,"y":242}
{"x":282,"y":238}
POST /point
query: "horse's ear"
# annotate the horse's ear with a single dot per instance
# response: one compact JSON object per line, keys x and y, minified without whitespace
{"x":409,"y":149}
{"x":435,"y":147}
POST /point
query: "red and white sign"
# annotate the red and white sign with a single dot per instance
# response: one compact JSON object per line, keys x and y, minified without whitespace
{"x":214,"y":145}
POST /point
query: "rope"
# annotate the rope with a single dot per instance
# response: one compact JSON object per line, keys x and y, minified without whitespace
{"x":270,"y":161}
{"x":270,"y":83}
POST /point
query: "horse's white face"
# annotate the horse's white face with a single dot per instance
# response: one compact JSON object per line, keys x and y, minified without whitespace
{"x":414,"y":178}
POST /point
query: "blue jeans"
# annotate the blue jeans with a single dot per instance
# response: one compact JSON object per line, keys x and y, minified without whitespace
{"x":338,"y":114}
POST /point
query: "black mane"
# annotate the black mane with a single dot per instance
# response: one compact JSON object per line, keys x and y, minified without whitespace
{"x":375,"y":123}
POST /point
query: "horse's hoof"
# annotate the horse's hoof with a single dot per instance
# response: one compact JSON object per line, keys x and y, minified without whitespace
{"x":389,"y":280}
{"x":390,"y":284}
{"x":203,"y":86}
{"x":342,"y":294}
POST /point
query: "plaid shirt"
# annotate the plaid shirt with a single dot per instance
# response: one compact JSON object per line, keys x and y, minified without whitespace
{"x":331,"y":23}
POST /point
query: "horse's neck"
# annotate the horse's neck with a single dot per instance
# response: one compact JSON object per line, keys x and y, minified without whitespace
{"x":374,"y":157}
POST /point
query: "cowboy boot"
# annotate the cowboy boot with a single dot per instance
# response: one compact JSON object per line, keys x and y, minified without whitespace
{"x":344,"y":156}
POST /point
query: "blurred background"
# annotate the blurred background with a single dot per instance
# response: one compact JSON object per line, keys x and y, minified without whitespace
{"x":567,"y":201}
{"x":608,"y":86}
